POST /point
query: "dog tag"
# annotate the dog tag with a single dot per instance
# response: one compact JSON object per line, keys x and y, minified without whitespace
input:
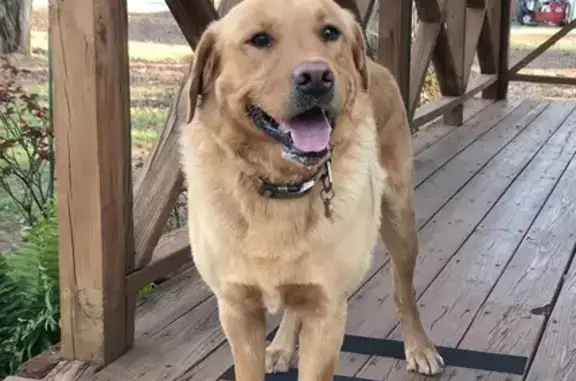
{"x":327,"y":193}
{"x":327,"y":208}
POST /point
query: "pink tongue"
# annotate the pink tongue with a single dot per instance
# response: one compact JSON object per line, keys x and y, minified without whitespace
{"x":310,"y":131}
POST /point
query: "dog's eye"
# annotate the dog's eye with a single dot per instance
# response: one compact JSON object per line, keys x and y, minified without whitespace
{"x":261,"y":40}
{"x":330,"y":33}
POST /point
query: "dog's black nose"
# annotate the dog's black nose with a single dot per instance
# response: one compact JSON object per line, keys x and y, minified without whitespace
{"x":314,"y":78}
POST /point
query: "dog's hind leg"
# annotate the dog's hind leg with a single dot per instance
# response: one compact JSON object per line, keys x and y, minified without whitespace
{"x":280,"y":352}
{"x":245,"y":330}
{"x":321,"y":338}
{"x":399,"y":235}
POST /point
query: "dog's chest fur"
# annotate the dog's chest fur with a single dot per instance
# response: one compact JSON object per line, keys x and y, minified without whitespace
{"x":278,"y":252}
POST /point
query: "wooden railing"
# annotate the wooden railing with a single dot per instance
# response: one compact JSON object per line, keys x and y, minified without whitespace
{"x":111,"y":241}
{"x":513,"y":72}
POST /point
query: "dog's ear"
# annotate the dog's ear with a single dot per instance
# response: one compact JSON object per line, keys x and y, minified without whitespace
{"x":203,"y":69}
{"x":359,"y":51}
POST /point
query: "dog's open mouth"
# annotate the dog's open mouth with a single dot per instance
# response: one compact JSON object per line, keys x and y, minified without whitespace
{"x":305,"y":138}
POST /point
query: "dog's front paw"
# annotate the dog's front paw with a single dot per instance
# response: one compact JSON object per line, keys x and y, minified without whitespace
{"x":424,"y":359}
{"x":278,"y":359}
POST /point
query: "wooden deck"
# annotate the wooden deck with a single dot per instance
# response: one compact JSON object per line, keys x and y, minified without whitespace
{"x":496,"y":211}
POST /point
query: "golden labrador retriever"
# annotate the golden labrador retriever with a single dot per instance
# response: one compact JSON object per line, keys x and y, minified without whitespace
{"x":297,"y":153}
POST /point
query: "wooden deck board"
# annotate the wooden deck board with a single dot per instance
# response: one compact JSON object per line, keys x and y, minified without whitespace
{"x":480,"y":190}
{"x":446,"y":181}
{"x":452,"y":225}
{"x":376,"y":316}
{"x":175,"y":298}
{"x":512,"y":318}
{"x":443,"y":150}
{"x":555,"y":359}
{"x":432,"y":132}
{"x":455,"y":296}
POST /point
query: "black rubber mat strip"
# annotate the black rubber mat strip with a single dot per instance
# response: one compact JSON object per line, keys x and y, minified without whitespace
{"x":456,"y":357}
{"x":291,"y":375}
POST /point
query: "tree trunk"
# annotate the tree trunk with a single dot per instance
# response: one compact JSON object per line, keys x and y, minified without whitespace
{"x":15,"y":26}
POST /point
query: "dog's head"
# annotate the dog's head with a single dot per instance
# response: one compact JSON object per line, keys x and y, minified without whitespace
{"x":288,"y":70}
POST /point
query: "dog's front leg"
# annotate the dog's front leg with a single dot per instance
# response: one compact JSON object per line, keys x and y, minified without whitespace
{"x":399,"y":234}
{"x":244,"y":328}
{"x":321,"y":338}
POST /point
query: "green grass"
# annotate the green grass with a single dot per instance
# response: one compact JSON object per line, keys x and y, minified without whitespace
{"x":147,"y":123}
{"x":139,"y":92}
{"x":9,"y":223}
{"x":137,"y":50}
{"x":528,"y":42}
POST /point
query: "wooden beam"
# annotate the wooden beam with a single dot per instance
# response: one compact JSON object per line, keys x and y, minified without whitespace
{"x":430,"y":11}
{"x":42,"y":364}
{"x":522,"y":63}
{"x":434,"y":109}
{"x":444,"y":63}
{"x":474,"y":22}
{"x":486,"y":50}
{"x":162,"y":180}
{"x":361,"y":8}
{"x":192,"y":17}
{"x":456,"y":30}
{"x":502,"y":43}
{"x":394,"y":40}
{"x":547,"y":79}
{"x":73,"y":371}
{"x":89,"y":40}
{"x":476,"y":4}
{"x":432,"y":17}
{"x":161,"y":183}
{"x":172,"y":252}
{"x":365,"y":8}
{"x":422,"y":48}
{"x":225,"y":5}
{"x":455,"y":86}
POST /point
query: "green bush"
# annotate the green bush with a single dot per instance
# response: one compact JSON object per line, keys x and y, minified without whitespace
{"x":29,"y":309}
{"x":26,"y":149}
{"x":11,"y":307}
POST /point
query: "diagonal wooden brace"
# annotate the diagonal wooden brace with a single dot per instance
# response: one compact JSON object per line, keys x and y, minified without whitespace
{"x":162,"y":180}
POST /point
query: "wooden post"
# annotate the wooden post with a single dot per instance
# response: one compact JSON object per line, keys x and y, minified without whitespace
{"x":501,"y":87}
{"x":431,"y":17}
{"x":456,"y":28}
{"x":91,"y":119}
{"x":394,"y":37}
{"x":499,"y":18}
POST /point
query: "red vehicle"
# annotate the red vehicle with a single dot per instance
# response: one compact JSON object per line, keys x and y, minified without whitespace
{"x":551,"y":12}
